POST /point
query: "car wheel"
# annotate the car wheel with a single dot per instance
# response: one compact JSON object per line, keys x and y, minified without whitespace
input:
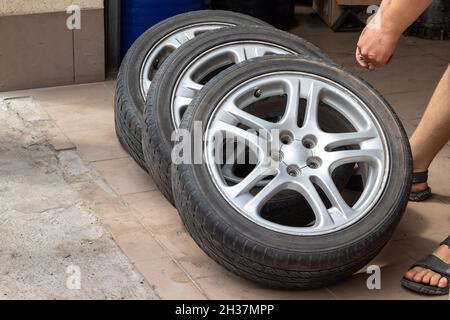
{"x":226,"y":221}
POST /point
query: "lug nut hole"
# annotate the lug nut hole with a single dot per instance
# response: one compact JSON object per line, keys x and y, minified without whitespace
{"x":309,"y":142}
{"x":314,"y":163}
{"x":277,"y":156}
{"x":294,"y":171}
{"x":286,"y":137}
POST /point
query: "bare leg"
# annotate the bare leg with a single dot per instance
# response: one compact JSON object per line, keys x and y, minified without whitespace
{"x":431,"y":135}
{"x":433,"y":131}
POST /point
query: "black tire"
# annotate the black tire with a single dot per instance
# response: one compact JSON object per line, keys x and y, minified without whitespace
{"x":156,"y":143}
{"x":276,"y":259}
{"x":129,"y":102}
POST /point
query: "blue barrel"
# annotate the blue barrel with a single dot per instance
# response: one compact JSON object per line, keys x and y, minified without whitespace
{"x":139,"y":15}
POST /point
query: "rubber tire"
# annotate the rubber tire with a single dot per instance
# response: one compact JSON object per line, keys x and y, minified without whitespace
{"x":129,"y":103}
{"x":280,"y":260}
{"x":156,"y":142}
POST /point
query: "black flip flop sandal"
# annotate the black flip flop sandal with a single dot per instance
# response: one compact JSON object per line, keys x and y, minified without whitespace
{"x":435,"y":264}
{"x":420,"y":177}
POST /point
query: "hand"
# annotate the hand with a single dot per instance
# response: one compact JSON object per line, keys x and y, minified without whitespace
{"x":376,"y":46}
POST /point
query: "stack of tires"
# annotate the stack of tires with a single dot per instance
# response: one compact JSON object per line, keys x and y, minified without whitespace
{"x":285,"y":168}
{"x":434,"y":23}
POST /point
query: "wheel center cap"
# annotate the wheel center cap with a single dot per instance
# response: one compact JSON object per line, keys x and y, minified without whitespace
{"x":295,"y":154}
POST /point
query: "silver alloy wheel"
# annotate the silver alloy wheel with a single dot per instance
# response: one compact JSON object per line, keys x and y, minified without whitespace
{"x":170,"y":43}
{"x":188,"y":84}
{"x":307,"y":155}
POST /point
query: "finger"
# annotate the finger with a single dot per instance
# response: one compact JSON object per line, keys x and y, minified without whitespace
{"x":361,"y":61}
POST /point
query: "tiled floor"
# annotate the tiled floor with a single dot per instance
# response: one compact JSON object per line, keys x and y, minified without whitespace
{"x":149,"y":231}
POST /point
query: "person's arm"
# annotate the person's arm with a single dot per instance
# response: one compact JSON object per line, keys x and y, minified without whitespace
{"x":379,"y":39}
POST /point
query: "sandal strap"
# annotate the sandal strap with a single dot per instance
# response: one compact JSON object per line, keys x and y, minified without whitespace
{"x":446,"y":242}
{"x":420,"y":177}
{"x":435,"y":264}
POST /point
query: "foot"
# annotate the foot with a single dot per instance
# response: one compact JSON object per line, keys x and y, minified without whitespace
{"x":426,"y":276}
{"x":419,"y":187}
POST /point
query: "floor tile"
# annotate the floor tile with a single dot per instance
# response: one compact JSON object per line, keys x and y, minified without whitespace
{"x":410,"y":105}
{"x":82,"y":117}
{"x":140,"y":246}
{"x":180,"y":244}
{"x":77,"y":94}
{"x":439,"y":49}
{"x":154,"y":211}
{"x":399,"y":76}
{"x":230,"y":287}
{"x":111,"y":85}
{"x":201,"y":266}
{"x":424,"y":219}
{"x":120,"y":226}
{"x":124,"y":176}
{"x":168,"y":280}
{"x":421,"y":246}
{"x":102,"y":200}
{"x":98,"y":145}
{"x":409,"y":127}
{"x":58,"y":140}
{"x":183,"y":248}
{"x":137,"y":243}
{"x":335,"y":42}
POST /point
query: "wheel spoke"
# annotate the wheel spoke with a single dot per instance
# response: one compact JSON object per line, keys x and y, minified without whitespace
{"x":249,"y":182}
{"x":146,"y":83}
{"x":176,"y":40}
{"x":290,"y":117}
{"x":307,"y":189}
{"x":248,"y":119}
{"x":326,"y":183}
{"x":336,"y":140}
{"x":181,"y":101}
{"x":188,"y":88}
{"x":313,"y":91}
{"x":189,"y":34}
{"x":271,"y":189}
{"x":234,"y":132}
{"x":184,"y":96}
{"x":339,"y":158}
{"x":251,"y":52}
